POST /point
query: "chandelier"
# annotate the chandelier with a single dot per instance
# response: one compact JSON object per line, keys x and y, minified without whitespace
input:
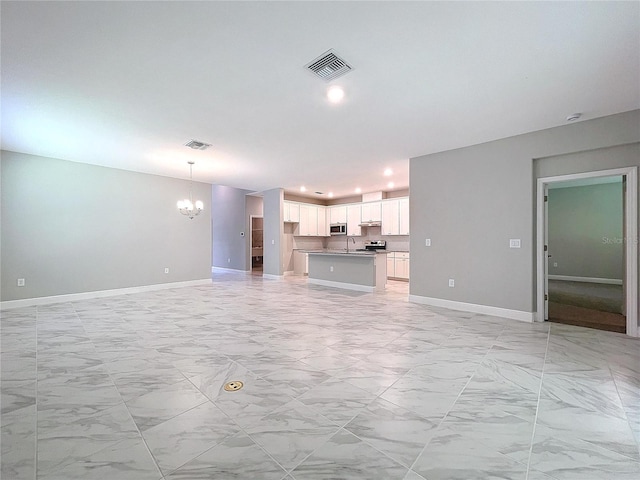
{"x":186,"y":206}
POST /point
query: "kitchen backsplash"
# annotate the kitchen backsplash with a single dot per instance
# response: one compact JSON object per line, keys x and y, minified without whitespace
{"x":308,"y":243}
{"x":395,"y":243}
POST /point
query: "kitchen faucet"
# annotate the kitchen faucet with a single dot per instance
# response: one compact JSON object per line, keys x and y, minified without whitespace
{"x":353,"y":240}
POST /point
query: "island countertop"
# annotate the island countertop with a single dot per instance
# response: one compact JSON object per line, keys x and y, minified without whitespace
{"x":344,"y":252}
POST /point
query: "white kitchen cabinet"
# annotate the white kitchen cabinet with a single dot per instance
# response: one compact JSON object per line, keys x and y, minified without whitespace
{"x":395,"y":216}
{"x":391,"y":265}
{"x":338,"y":214}
{"x":354,"y":215}
{"x":401,"y":265}
{"x":300,"y":263}
{"x":313,"y":221}
{"x":303,"y":226}
{"x":323,"y":225}
{"x":371,"y":212}
{"x":398,"y":265}
{"x":404,"y":217}
{"x":391,"y":217}
{"x":291,"y":212}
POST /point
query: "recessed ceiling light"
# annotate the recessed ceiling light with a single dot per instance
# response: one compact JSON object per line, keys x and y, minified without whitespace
{"x":388,"y":172}
{"x":390,"y":184}
{"x":303,"y":188}
{"x":573,"y":116}
{"x":330,"y":194}
{"x":358,"y":190}
{"x":335,"y":94}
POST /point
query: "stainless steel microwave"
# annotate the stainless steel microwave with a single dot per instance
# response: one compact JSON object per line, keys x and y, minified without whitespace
{"x":338,"y":229}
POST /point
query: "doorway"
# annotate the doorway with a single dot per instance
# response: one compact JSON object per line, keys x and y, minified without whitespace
{"x":587,"y":252}
{"x":257,"y":244}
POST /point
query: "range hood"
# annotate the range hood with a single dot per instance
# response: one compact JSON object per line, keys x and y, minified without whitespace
{"x":370,"y":224}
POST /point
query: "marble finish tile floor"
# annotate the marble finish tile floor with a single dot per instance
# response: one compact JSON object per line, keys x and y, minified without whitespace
{"x":338,"y":385}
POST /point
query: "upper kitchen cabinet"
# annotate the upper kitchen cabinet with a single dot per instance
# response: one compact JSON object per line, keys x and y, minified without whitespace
{"x":338,"y":214}
{"x":323,"y":224}
{"x":395,"y":216}
{"x":291,"y":212}
{"x":371,"y":212}
{"x":354,"y":215}
{"x":391,"y":217}
{"x":308,"y":221}
{"x":313,"y":221}
{"x":404,"y":216}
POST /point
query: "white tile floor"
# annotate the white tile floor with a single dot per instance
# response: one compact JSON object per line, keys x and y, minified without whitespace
{"x":338,"y":385}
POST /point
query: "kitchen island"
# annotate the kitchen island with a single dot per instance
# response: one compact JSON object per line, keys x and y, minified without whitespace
{"x":361,"y":271}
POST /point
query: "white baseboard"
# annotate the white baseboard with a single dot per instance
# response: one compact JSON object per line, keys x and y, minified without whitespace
{"x":568,"y":278}
{"x":474,"y":308}
{"x":74,"y":297}
{"x":272,"y":277}
{"x":213,"y":269}
{"x":347,"y":286}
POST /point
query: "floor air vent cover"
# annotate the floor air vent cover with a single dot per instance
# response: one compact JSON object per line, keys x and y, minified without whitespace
{"x":329,"y":66}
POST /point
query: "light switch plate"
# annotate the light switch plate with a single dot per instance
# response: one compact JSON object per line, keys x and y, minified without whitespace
{"x":427,"y":242}
{"x":452,"y":282}
{"x":514,"y":243}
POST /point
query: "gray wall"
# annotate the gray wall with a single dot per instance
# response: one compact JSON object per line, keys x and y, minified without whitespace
{"x":229,"y":247}
{"x":70,"y":228}
{"x":273,"y":232}
{"x":585,"y":231}
{"x":472,"y":200}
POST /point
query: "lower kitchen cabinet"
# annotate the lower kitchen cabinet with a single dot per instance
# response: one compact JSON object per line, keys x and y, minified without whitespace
{"x":300,"y":263}
{"x":398,"y":265}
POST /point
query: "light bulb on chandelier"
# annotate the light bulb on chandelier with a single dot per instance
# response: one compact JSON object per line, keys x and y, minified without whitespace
{"x":186,"y":206}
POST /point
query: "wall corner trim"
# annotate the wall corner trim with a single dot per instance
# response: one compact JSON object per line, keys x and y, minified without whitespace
{"x":474,"y":308}
{"x":75,"y":297}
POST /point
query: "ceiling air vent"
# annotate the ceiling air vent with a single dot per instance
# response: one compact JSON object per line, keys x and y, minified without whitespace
{"x":329,"y":66}
{"x":196,"y":145}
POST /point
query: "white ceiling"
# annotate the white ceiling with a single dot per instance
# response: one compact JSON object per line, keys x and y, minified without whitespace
{"x":126,"y":84}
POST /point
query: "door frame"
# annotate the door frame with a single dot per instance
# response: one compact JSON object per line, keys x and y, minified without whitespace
{"x":251,"y":217}
{"x":630,"y":232}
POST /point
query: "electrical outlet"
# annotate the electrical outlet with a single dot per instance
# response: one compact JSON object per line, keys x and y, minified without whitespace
{"x":427,"y":242}
{"x":331,"y":268}
{"x":21,"y":282}
{"x":555,"y":264}
{"x":273,"y":242}
{"x":452,"y":282}
{"x":514,"y":243}
{"x":228,"y":260}
{"x":166,"y":270}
